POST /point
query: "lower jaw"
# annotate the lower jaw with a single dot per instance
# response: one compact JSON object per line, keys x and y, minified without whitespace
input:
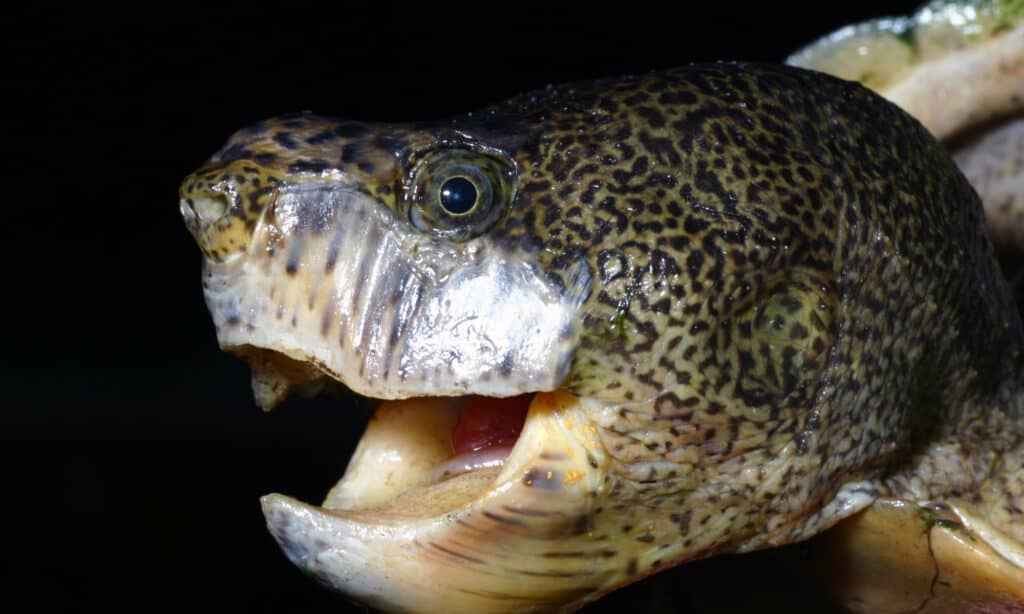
{"x":505,"y":537}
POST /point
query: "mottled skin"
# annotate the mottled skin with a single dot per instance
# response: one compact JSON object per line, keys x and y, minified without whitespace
{"x":794,"y":308}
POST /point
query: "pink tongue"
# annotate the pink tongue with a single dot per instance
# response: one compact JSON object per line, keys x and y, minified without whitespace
{"x":487,"y":422}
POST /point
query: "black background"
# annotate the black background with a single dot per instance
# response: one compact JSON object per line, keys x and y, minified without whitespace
{"x":132,"y":453}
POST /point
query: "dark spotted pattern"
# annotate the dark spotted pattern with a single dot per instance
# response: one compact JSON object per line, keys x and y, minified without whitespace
{"x":788,"y":264}
{"x":793,"y":289}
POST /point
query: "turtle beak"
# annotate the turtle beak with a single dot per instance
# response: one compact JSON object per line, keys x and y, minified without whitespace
{"x":511,"y":538}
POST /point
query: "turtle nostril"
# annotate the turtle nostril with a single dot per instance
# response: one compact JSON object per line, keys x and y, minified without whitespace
{"x":209,"y":208}
{"x":221,"y":205}
{"x":206,"y":217}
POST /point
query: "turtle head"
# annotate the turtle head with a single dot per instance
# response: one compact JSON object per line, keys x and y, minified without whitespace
{"x":717,"y":289}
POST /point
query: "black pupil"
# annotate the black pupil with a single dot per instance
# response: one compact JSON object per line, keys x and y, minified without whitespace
{"x":458,"y":195}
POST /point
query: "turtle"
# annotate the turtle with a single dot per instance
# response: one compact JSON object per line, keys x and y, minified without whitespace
{"x":619,"y":325}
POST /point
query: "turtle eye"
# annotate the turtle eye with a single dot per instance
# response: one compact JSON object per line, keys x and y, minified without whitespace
{"x":457,"y":193}
{"x":458,"y":196}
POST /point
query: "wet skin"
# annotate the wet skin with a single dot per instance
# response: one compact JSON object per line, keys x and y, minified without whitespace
{"x":755,"y":298}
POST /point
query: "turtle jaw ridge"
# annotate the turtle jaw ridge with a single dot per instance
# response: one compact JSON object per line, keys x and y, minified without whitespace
{"x":495,"y":539}
{"x":333,"y":280}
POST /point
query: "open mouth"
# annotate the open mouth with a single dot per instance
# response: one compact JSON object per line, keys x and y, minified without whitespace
{"x":474,"y":503}
{"x":414,"y":452}
{"x":426,"y":452}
